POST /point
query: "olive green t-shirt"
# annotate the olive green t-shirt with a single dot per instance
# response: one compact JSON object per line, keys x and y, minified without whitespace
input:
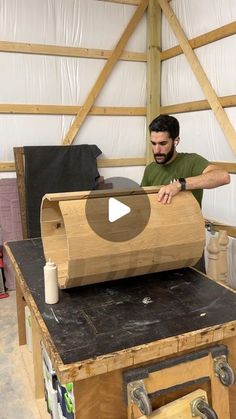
{"x":184,"y":165}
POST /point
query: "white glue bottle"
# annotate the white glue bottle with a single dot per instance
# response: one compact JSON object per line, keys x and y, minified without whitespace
{"x":51,"y":283}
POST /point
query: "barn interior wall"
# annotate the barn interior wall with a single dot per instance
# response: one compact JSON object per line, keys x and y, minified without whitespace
{"x":45,"y":79}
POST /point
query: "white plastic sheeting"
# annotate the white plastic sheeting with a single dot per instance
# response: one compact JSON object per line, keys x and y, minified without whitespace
{"x":200,"y":132}
{"x":43,"y":79}
{"x":40,"y":79}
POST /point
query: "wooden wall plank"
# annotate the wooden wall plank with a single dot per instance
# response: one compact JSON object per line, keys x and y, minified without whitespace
{"x":7,"y":166}
{"x":79,"y":119}
{"x":226,"y":165}
{"x":201,"y":76}
{"x":62,"y":51}
{"x":198,"y":105}
{"x":217,"y":226}
{"x":201,"y":40}
{"x":70,"y":109}
{"x":123,"y":162}
{"x":131,"y":2}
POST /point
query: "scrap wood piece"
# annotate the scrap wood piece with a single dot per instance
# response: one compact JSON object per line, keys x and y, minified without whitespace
{"x":79,"y":119}
{"x":201,"y":76}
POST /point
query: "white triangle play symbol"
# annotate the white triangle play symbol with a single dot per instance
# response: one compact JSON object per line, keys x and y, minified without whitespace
{"x":117,"y":209}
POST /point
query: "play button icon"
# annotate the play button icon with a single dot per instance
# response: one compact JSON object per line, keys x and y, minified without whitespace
{"x":117,"y":210}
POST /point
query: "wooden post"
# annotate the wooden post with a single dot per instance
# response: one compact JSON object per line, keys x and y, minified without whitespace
{"x":223,"y":241}
{"x":213,"y":259}
{"x":153,"y":68}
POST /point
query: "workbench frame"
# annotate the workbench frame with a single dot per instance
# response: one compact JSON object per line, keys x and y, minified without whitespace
{"x":98,"y":383}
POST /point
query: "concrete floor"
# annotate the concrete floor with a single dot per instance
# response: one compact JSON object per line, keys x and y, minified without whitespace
{"x":17,"y":397}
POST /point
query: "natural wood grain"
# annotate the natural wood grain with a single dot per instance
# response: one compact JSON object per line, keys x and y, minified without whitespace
{"x":95,"y":398}
{"x":201,"y":40}
{"x":153,"y":69}
{"x":162,"y":245}
{"x":39,"y":109}
{"x":67,"y":51}
{"x":20,"y":305}
{"x":20,"y":175}
{"x":37,"y":360}
{"x":197,"y":105}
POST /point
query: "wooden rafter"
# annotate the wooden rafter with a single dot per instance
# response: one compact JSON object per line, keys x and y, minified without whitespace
{"x":82,"y":114}
{"x":201,"y":76}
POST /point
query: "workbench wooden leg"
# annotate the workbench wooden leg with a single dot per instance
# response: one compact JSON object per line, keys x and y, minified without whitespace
{"x":20,"y":306}
{"x":37,"y":361}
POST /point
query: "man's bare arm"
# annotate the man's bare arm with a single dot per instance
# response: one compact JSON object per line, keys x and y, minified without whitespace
{"x":212,"y":177}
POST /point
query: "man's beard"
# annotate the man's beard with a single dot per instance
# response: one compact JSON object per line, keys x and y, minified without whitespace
{"x":167,"y":157}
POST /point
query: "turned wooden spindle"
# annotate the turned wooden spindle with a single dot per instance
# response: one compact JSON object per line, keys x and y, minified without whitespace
{"x":223,"y":241}
{"x":213,"y":268}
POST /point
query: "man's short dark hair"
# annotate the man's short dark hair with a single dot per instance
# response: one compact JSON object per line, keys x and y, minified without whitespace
{"x":165,"y":123}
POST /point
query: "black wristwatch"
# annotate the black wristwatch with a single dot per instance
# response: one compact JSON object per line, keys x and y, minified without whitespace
{"x":182,"y":182}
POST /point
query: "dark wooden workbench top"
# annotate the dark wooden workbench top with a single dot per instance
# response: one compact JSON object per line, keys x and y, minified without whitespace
{"x":105,"y":318}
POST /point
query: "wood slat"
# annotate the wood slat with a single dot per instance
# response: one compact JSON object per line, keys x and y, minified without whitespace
{"x":217,"y":226}
{"x":153,"y":69}
{"x":198,"y":105}
{"x":62,"y":51}
{"x":201,"y":76}
{"x":226,"y":165}
{"x":131,"y":2}
{"x":70,"y":110}
{"x":226,"y":102}
{"x":7,"y":166}
{"x":108,"y":67}
{"x":123,"y":162}
{"x":201,"y":40}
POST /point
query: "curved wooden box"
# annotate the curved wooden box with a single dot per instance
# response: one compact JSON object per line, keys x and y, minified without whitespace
{"x":173,"y":238}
